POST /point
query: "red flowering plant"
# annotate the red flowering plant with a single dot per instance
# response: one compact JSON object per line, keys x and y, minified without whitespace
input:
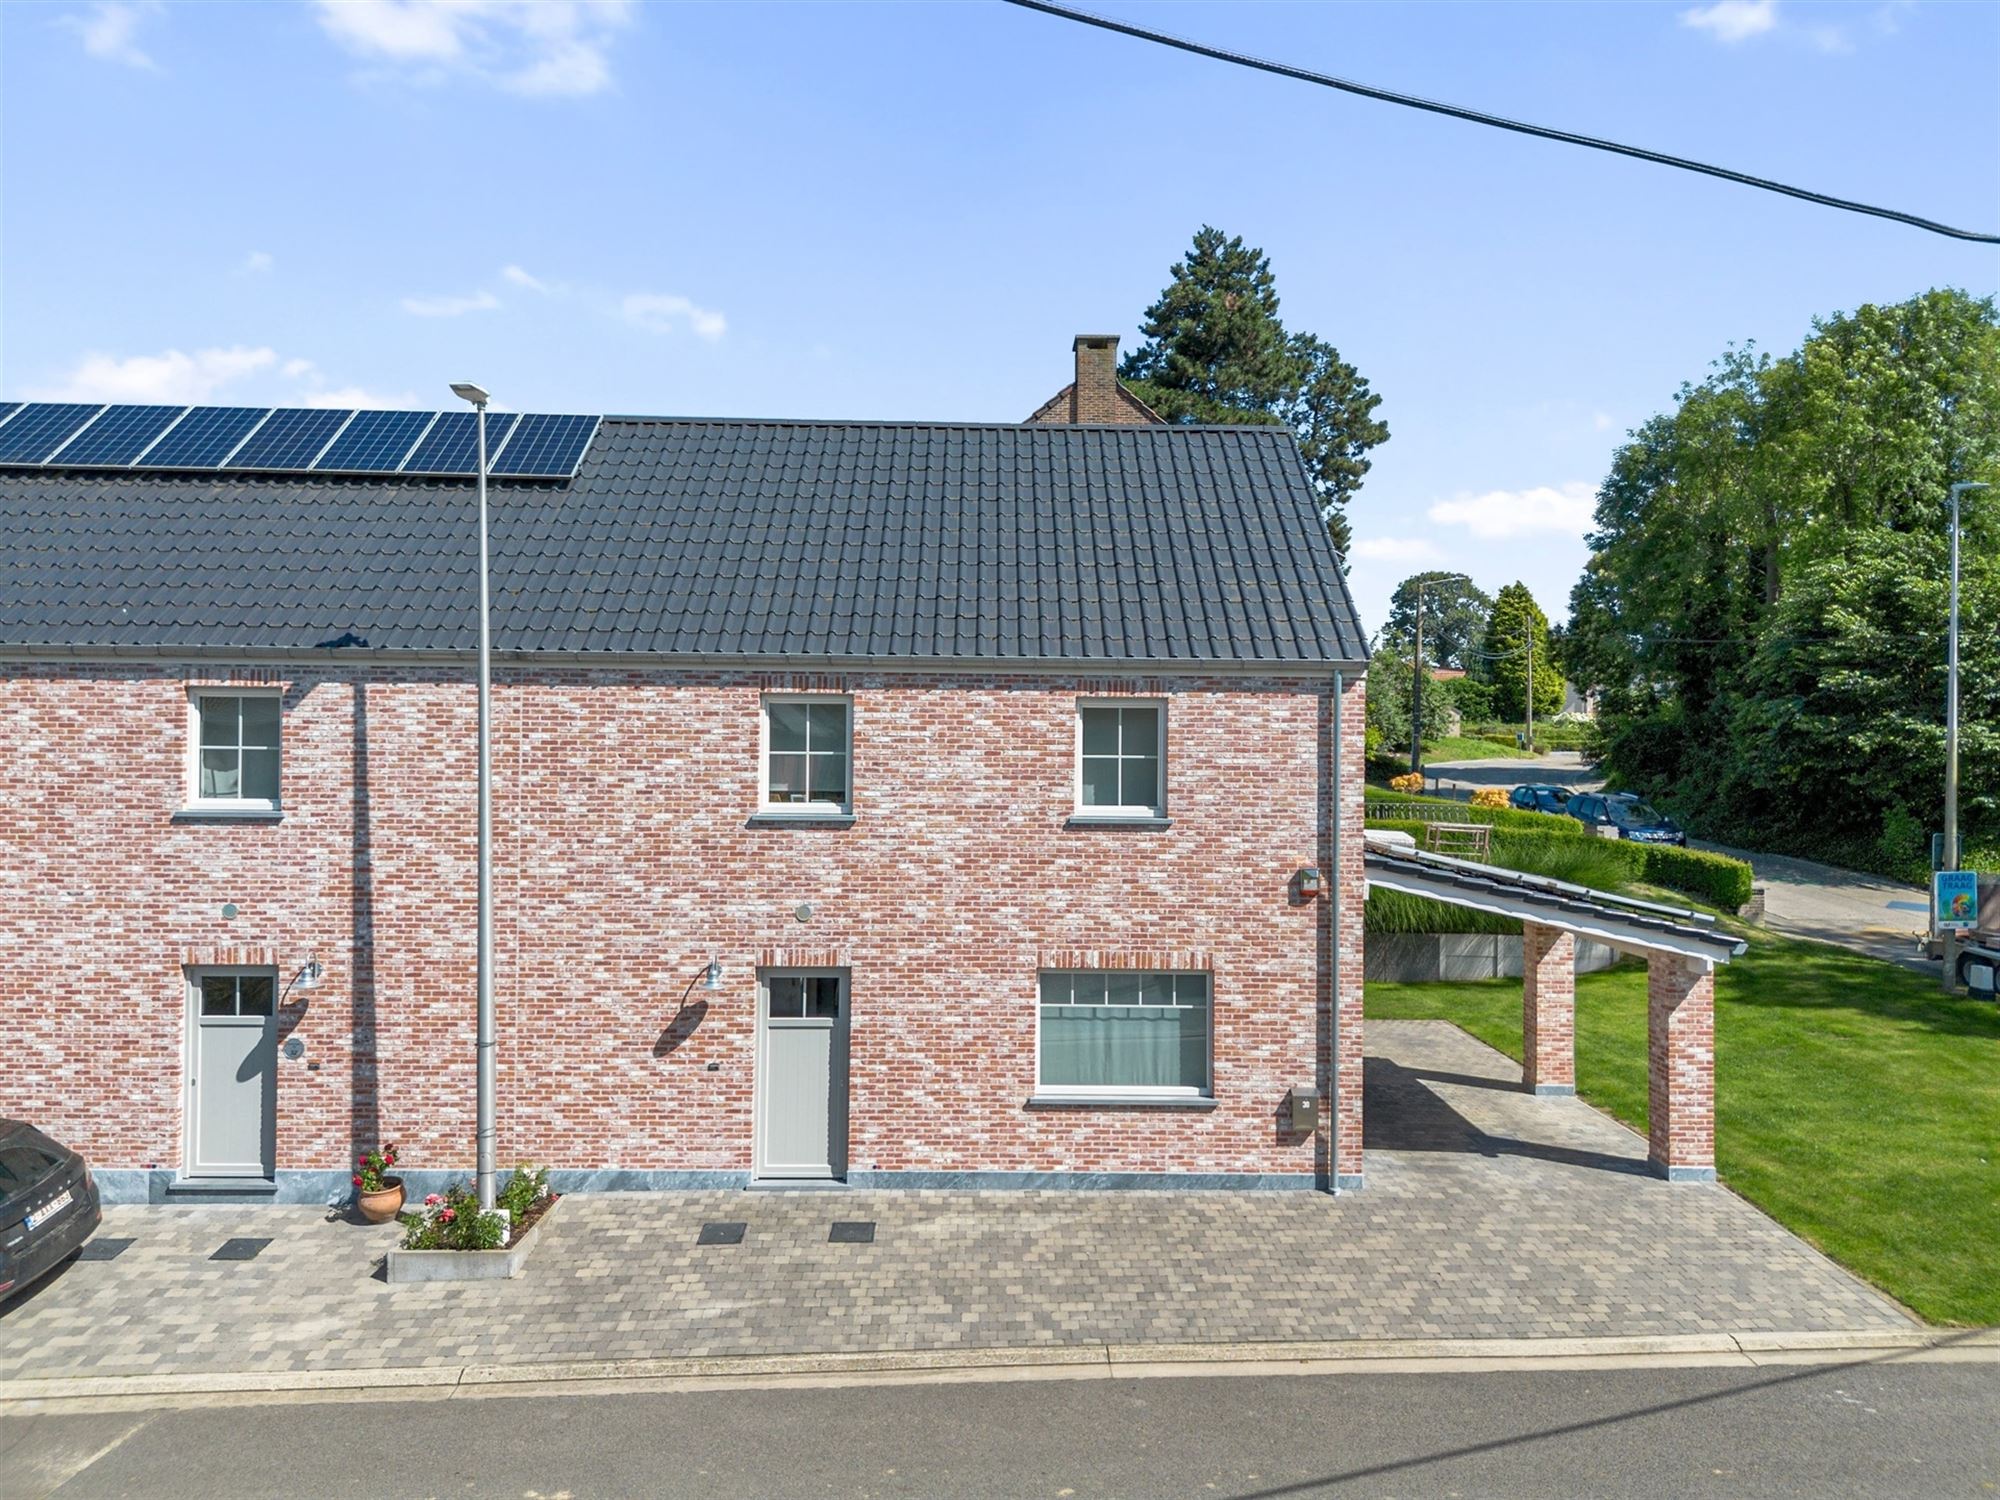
{"x":375,"y":1170}
{"x":451,"y":1220}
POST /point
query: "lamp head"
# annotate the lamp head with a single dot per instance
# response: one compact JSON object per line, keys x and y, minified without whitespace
{"x":465,"y":390}
{"x":711,"y":978}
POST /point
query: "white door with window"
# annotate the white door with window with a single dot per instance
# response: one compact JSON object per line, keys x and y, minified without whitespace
{"x":801,"y":1094}
{"x":232,"y":1083}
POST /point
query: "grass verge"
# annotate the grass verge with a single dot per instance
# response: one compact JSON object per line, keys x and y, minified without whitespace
{"x":1855,"y":1103}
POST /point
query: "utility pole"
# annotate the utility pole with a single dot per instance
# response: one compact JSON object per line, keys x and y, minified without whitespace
{"x":1950,"y":935}
{"x":1531,"y":684}
{"x":1417,"y":690}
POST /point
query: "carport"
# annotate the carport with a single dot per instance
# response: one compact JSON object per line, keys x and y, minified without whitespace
{"x":1681,"y":949}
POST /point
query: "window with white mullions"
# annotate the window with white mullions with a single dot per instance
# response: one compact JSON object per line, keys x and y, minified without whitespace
{"x":1121,"y":758}
{"x":1123,"y":1031}
{"x":236,"y":748}
{"x":236,"y":994}
{"x":807,"y":754}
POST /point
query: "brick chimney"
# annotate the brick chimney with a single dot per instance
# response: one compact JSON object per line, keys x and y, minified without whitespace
{"x":1095,"y":397}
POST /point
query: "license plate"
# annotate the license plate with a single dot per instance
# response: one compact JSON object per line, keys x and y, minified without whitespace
{"x":50,"y":1209}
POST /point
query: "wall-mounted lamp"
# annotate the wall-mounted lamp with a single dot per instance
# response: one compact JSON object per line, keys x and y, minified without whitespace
{"x":1309,"y":881}
{"x":313,"y":972}
{"x":711,"y":977}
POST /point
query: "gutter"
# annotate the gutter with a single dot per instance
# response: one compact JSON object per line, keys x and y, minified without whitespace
{"x":1333,"y":1079}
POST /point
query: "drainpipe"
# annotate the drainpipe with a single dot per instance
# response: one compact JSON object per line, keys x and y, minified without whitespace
{"x":1333,"y":886}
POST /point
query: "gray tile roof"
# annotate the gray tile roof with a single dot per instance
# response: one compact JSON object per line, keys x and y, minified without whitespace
{"x":717,"y":538}
{"x":1466,"y":882}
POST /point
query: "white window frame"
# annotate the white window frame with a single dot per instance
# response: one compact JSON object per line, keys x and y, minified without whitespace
{"x":765,"y":806}
{"x":1085,"y":812}
{"x":1086,"y":1091}
{"x":231,"y":804}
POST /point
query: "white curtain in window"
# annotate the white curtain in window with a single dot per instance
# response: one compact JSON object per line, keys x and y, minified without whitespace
{"x":1125,"y":1046}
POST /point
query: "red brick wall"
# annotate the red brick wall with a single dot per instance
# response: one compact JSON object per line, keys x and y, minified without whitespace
{"x":624,"y":861}
{"x":1680,"y":1075}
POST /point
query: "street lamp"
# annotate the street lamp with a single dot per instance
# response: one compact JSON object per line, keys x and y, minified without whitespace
{"x":1951,"y":733}
{"x":1417,"y":667}
{"x":484,"y":1133}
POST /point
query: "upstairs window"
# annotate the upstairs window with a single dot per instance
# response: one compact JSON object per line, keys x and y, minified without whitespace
{"x":807,"y":754}
{"x":235,"y":750}
{"x":1121,"y":759}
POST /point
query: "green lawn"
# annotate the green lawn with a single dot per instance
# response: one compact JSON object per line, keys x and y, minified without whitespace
{"x":1465,"y":747}
{"x":1855,"y":1103}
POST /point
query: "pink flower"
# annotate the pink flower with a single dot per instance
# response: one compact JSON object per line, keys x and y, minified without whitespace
{"x":447,"y":1214}
{"x":432,"y":1200}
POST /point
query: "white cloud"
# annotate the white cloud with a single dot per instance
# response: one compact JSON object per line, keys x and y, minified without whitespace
{"x":450,"y":307}
{"x":297,"y":369}
{"x":664,"y":313}
{"x":360,"y":396}
{"x":173,"y":377}
{"x":257,"y":263}
{"x":534,"y":47}
{"x":518,"y":277}
{"x":1732,"y":21}
{"x":1394,"y":549}
{"x":110,"y":32}
{"x":1601,"y":421}
{"x":1510,"y":513}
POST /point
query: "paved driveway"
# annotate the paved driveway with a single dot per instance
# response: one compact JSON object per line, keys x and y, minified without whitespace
{"x":1862,"y":912}
{"x":1488,"y":1214}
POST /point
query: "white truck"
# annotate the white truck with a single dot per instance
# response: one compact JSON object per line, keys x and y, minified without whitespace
{"x":1979,"y":949}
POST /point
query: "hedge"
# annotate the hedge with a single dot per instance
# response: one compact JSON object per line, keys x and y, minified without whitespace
{"x":1714,"y":878}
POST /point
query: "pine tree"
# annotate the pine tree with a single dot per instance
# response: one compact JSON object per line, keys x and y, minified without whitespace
{"x":1516,"y":619}
{"x":1216,"y":351}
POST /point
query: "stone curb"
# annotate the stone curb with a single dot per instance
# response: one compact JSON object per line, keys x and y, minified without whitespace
{"x":1093,"y":1360}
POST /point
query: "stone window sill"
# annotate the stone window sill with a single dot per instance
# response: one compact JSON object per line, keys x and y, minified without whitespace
{"x":202,"y":813}
{"x":1115,"y":820}
{"x":773,"y":818}
{"x":1197,"y":1102}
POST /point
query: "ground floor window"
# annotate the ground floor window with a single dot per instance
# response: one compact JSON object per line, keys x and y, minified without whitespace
{"x":1123,"y":1031}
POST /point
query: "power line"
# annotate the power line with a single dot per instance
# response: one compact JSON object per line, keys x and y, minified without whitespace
{"x":1500,"y":122}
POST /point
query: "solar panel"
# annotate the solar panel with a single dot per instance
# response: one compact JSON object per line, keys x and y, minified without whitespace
{"x":117,"y":437}
{"x":203,"y":438}
{"x":375,"y":442}
{"x":543,"y":446}
{"x":8,"y":408}
{"x":451,"y":446}
{"x":290,"y":438}
{"x":40,"y":428}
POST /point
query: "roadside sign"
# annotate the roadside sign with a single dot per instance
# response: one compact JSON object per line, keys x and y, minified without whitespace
{"x":1955,"y":899}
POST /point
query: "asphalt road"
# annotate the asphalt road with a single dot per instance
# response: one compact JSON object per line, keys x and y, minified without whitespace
{"x":1898,"y":1429}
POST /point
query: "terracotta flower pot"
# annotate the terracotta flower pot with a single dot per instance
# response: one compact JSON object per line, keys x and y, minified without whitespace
{"x":382,"y":1205}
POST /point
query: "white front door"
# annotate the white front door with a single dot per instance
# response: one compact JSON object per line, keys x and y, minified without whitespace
{"x":801,"y":1095}
{"x":232,"y":1086}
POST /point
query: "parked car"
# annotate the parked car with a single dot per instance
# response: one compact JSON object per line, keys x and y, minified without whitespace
{"x":1627,"y":816}
{"x":48,"y":1205}
{"x":1539,"y":798}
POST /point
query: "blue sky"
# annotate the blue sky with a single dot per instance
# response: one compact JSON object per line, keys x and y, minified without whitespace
{"x":907,"y":211}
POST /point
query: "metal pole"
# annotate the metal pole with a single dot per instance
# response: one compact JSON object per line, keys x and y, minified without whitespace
{"x":1950,"y":937}
{"x":486,"y":1046}
{"x":1531,"y":682}
{"x":1339,"y":936}
{"x":1417,"y":690}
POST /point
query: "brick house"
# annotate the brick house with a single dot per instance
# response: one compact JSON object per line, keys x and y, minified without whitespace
{"x":896,"y":803}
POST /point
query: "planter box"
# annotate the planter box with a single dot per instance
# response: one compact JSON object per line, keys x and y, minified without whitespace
{"x":470,"y":1265}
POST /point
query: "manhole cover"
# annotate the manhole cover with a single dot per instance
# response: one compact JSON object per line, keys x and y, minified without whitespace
{"x":852,"y":1232}
{"x":720,"y":1234}
{"x":105,"y":1249}
{"x":240,"y":1249}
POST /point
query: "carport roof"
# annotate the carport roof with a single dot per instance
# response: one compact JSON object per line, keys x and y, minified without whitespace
{"x":1619,"y":921}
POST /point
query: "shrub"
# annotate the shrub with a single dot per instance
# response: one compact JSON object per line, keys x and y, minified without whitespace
{"x":1602,"y":864}
{"x":1396,"y":911}
{"x":451,"y":1220}
{"x":1409,"y":781}
{"x":374,"y":1169}
{"x":528,"y":1186}
{"x":1714,"y":878}
{"x":1489,"y":797}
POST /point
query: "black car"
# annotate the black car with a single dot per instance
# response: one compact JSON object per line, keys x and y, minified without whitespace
{"x":48,"y":1205}
{"x":1627,"y":816}
{"x":1542,"y":798}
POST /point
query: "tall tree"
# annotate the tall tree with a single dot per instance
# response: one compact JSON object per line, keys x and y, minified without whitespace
{"x":1818,"y":471}
{"x":1455,"y":615}
{"x":1515,"y":625}
{"x":1215,"y":351}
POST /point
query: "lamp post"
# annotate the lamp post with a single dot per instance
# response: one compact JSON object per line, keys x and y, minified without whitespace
{"x":484,"y":1131}
{"x":1417,"y":668}
{"x":1951,"y":734}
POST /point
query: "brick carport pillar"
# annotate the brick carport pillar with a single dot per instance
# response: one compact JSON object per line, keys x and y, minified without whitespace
{"x":1680,"y":1074}
{"x":1548,"y":1009}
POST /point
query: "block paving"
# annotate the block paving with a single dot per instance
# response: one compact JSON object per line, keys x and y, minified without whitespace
{"x":1488,"y":1213}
